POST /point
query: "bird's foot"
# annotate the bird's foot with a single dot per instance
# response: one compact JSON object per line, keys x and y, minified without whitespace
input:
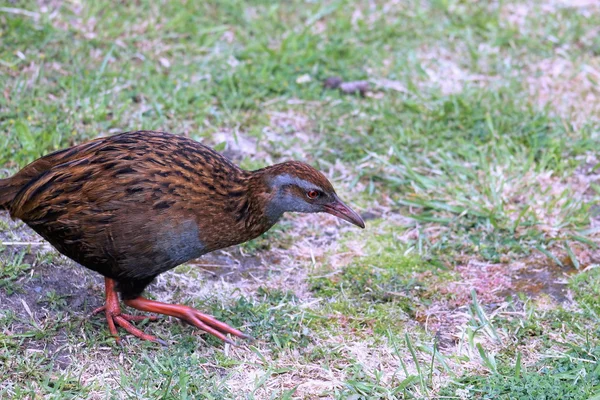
{"x":206,"y":322}
{"x":114,"y":317}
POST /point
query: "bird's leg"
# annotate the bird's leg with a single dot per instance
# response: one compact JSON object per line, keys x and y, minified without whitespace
{"x":114,"y":316}
{"x":206,"y":322}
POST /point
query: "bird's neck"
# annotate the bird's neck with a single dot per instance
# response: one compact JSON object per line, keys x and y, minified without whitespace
{"x":254,"y":211}
{"x":260,"y":205}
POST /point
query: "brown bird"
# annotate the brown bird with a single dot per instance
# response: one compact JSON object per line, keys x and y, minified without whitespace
{"x":137,"y":204}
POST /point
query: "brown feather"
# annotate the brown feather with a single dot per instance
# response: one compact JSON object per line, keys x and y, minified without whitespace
{"x":136,"y":204}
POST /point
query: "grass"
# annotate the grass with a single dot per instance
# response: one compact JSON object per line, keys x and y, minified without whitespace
{"x":473,"y":158}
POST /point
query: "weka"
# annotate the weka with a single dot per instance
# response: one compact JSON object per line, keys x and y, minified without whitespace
{"x":137,"y":204}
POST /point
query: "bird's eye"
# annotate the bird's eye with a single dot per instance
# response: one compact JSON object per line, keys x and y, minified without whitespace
{"x":312,"y":194}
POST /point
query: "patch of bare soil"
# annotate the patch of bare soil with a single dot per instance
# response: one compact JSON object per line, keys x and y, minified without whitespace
{"x":78,"y":286}
{"x":54,"y":292}
{"x":570,"y":88}
{"x":444,"y":70}
{"x":516,"y":14}
{"x":493,"y":283}
{"x":83,"y":289}
{"x":224,"y":265}
{"x":537,"y":279}
{"x":78,"y":291}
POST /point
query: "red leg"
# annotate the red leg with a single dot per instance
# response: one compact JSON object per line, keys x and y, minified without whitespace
{"x":114,"y":316}
{"x":206,"y":322}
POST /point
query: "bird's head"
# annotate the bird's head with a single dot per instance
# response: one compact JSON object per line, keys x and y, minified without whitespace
{"x":296,"y":186}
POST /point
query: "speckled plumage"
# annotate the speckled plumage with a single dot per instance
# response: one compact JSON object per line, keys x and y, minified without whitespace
{"x":137,"y":204}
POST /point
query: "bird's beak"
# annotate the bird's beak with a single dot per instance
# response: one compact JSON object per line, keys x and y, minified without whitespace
{"x":340,"y":210}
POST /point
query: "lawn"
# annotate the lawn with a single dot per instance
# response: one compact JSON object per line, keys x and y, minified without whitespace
{"x":472,"y":157}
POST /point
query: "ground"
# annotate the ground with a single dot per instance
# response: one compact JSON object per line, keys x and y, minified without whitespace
{"x":472,"y":157}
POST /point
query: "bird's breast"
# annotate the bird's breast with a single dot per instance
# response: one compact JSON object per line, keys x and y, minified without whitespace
{"x":180,"y":242}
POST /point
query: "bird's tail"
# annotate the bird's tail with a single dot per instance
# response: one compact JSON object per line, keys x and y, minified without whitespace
{"x":8,"y":191}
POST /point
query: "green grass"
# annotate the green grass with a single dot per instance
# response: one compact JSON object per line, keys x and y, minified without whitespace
{"x":481,"y":198}
{"x":573,"y":375}
{"x":380,"y":290}
{"x":568,"y":367}
{"x":12,"y":268}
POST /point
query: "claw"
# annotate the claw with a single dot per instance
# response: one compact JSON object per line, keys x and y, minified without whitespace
{"x":248,"y":337}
